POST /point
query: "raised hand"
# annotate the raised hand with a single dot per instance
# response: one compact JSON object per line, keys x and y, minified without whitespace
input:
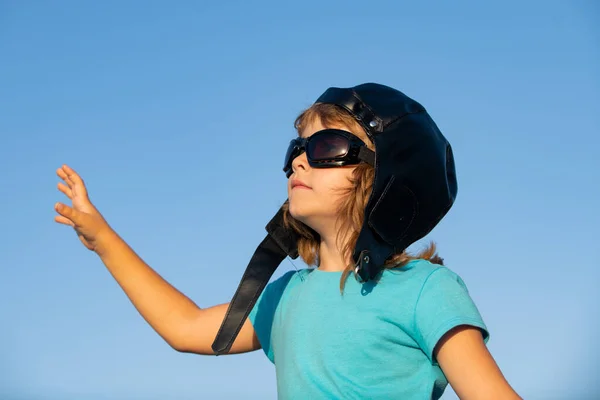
{"x":82,"y":216}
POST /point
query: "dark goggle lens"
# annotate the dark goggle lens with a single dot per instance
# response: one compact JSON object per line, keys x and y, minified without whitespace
{"x":328,"y":146}
{"x":292,"y":152}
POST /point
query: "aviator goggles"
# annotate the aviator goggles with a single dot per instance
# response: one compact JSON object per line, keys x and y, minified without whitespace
{"x":329,"y":148}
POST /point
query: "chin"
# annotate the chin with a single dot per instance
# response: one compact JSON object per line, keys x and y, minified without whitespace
{"x":308,"y":217}
{"x":296,"y":211}
{"x":300,"y":212}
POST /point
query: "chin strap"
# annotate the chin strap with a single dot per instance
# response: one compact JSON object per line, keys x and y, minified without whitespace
{"x":275,"y":247}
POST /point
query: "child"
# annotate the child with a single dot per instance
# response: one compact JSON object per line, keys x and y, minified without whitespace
{"x":369,"y":175}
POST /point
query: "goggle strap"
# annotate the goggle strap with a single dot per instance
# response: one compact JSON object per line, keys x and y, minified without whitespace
{"x":275,"y":247}
{"x":367,"y":155}
{"x":263,"y":264}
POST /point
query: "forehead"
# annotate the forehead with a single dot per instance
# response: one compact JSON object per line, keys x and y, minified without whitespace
{"x":316,"y":125}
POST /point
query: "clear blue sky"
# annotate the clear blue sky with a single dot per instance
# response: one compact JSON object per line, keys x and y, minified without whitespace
{"x":177,"y":115}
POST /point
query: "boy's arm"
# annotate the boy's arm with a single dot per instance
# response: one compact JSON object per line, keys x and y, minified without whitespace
{"x":178,"y":320}
{"x":470,"y":368}
{"x":451,"y":331}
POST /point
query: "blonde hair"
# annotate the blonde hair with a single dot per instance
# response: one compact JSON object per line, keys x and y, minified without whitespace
{"x":351,"y":210}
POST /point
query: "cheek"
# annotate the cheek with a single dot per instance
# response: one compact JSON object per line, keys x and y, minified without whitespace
{"x":339,"y":179}
{"x":335,"y":185}
{"x":329,"y":187}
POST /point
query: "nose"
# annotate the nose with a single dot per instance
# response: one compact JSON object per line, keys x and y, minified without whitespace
{"x":300,"y":163}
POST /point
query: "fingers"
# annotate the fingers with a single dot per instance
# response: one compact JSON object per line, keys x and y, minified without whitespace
{"x":72,"y":175}
{"x":67,"y":213}
{"x":64,"y":176}
{"x":74,"y":182}
{"x":65,"y":221}
{"x":66,"y":190}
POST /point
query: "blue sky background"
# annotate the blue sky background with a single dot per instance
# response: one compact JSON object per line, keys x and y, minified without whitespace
{"x":177,"y":115}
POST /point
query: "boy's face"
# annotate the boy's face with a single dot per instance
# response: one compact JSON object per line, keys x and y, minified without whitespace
{"x":316,"y":199}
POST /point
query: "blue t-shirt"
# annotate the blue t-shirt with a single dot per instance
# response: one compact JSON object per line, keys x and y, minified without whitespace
{"x":375,"y":341}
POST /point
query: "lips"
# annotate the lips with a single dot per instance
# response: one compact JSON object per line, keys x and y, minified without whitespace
{"x":299,"y":184}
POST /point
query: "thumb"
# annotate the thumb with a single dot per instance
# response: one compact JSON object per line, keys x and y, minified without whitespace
{"x":69,"y":212}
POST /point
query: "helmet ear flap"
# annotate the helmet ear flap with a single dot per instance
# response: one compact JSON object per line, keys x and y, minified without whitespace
{"x":285,"y":238}
{"x":394,"y":211}
{"x":451,"y":172}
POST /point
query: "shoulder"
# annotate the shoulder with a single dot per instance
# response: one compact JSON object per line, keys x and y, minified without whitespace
{"x":404,"y":285}
{"x":421,"y":280}
{"x":430,"y":277}
{"x":276,"y":287}
{"x":417,"y":272}
{"x":442,"y":303}
{"x":283,"y":280}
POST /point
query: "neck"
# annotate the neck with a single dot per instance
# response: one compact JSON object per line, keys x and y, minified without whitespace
{"x":331,"y":258}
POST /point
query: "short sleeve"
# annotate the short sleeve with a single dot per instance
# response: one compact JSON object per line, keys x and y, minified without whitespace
{"x":262,"y":314}
{"x":444,"y":303}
